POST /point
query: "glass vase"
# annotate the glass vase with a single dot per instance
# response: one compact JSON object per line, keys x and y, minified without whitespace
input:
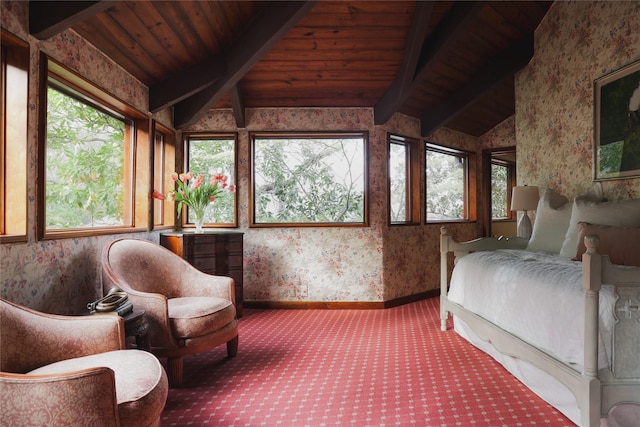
{"x":199,"y":220}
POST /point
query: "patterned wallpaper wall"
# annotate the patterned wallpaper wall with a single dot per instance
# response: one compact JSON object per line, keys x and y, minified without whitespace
{"x":373,"y":263}
{"x":576,"y":43}
{"x":59,"y":276}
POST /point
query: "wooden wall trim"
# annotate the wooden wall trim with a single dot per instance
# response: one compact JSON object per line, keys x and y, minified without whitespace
{"x":340,"y":305}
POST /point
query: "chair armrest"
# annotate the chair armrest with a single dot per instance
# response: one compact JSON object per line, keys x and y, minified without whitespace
{"x":86,"y":397}
{"x":157,"y":316}
{"x":199,"y":284}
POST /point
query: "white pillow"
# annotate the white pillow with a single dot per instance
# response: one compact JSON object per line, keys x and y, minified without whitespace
{"x":624,"y":213}
{"x":551,"y":224}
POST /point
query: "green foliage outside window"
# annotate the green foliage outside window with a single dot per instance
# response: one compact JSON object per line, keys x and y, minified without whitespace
{"x":309,"y":180}
{"x":398,"y":182}
{"x":84,"y":164}
{"x":212,"y":156}
{"x":499,"y":191}
{"x":446,"y":174}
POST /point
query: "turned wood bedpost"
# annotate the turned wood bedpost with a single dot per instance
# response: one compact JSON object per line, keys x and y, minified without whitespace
{"x":591,"y":283}
{"x":444,"y":268}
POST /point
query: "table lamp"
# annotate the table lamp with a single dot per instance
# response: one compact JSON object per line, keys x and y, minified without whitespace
{"x":524,"y":198}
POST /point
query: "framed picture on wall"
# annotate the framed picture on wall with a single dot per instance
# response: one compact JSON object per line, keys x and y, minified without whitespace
{"x":616,"y":148}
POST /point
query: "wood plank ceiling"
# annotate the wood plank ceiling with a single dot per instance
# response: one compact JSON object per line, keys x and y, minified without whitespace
{"x":446,"y":63}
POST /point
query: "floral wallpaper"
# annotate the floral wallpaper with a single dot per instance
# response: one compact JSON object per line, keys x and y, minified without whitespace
{"x":503,"y":135}
{"x":59,"y":276}
{"x":576,"y":43}
{"x":375,"y":263}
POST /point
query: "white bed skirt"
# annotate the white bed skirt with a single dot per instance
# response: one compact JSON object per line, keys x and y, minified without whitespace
{"x":544,"y":385}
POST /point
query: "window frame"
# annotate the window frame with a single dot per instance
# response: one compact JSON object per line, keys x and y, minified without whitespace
{"x":413,"y":205}
{"x":162,"y":213}
{"x":186,"y":137}
{"x":469,"y":184}
{"x":511,"y":182}
{"x":320,"y":134}
{"x":14,"y":90}
{"x":137,"y":176}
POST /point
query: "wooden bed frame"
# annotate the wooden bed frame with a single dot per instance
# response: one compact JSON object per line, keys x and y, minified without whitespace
{"x":596,"y":392}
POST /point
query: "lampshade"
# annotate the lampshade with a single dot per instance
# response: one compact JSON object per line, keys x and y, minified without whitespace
{"x":524,"y":198}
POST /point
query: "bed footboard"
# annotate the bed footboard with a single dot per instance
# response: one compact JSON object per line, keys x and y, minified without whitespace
{"x":620,"y":383}
{"x":459,"y":249}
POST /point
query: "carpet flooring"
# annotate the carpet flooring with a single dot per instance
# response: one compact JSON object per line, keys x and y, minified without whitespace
{"x":388,"y":367}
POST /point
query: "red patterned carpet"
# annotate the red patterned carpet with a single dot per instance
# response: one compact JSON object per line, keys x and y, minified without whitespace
{"x":352,"y":367}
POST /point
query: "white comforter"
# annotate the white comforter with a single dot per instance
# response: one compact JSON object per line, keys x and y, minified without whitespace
{"x":535,"y":296}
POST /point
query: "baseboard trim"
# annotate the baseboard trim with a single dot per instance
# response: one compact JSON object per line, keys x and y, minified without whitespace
{"x":340,"y":305}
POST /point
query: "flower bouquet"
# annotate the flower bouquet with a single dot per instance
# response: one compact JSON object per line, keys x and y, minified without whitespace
{"x":196,"y":193}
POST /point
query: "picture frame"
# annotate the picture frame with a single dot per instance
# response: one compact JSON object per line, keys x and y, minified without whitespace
{"x":616,"y":145}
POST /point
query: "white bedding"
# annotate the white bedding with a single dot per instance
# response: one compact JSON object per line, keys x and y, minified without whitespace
{"x":534,"y":295}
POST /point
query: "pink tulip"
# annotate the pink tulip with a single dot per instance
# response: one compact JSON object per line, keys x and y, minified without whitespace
{"x":198,"y":182}
{"x":158,"y":195}
{"x":174,"y":176}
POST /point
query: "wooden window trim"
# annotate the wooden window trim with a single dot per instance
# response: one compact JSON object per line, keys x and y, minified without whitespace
{"x":14,"y":89}
{"x":413,"y":177}
{"x":139,"y":158}
{"x":470,"y":182}
{"x":328,"y":134}
{"x":186,"y":137}
{"x":163,"y":154}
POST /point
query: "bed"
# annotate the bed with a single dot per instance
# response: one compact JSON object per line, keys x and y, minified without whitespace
{"x":565,"y":322}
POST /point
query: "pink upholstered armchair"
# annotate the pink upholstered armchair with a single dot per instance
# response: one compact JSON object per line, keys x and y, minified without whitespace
{"x":74,"y":370}
{"x":188,"y":311}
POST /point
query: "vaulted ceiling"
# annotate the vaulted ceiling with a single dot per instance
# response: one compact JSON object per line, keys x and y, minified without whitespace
{"x":446,"y":63}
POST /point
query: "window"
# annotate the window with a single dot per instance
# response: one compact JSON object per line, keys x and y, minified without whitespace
{"x":91,"y":169}
{"x":308,"y":179}
{"x":13,"y":138}
{"x":210,"y":155}
{"x":164,"y":161}
{"x":499,"y":208}
{"x":450,"y":178}
{"x":88,"y":151}
{"x":503,"y":179}
{"x":404,"y":180}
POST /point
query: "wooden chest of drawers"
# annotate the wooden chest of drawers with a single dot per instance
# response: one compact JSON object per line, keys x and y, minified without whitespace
{"x":213,"y":252}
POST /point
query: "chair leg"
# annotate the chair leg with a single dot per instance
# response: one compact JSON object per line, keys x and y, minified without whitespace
{"x":232,"y":347}
{"x":174,"y":371}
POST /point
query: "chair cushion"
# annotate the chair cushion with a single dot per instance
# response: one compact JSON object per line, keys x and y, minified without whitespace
{"x":141,"y":382}
{"x":195,"y":316}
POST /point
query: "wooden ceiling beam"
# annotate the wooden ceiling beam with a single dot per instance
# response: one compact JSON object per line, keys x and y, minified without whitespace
{"x":237,"y":103}
{"x":506,"y":65}
{"x":421,"y":54}
{"x":48,"y":18}
{"x":396,"y":94}
{"x":268,"y":28}
{"x":186,"y":83}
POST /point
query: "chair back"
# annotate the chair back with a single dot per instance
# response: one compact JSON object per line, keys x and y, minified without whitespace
{"x":31,"y":339}
{"x":141,"y":265}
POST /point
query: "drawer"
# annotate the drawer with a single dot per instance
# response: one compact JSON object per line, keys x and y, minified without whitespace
{"x":235,"y":247}
{"x":234,"y":261}
{"x":204,"y":263}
